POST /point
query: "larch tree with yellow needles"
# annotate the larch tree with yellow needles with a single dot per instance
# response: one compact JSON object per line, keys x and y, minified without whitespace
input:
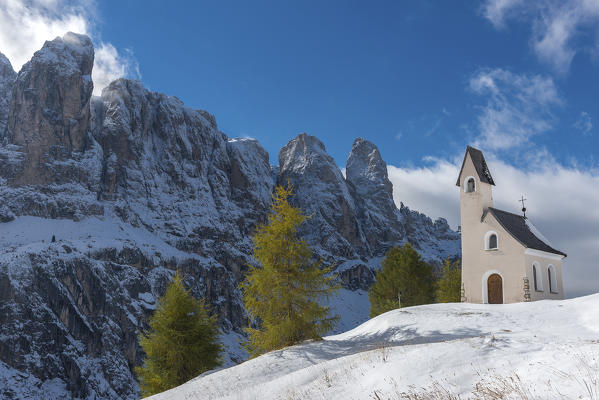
{"x":284,"y":292}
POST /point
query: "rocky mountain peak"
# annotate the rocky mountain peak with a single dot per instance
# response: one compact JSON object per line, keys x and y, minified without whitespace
{"x":305,"y":156}
{"x":7,"y":79}
{"x":321,"y":191}
{"x":367,"y":171}
{"x":304,"y":151}
{"x":366,"y":174}
{"x":71,"y":54}
{"x":49,"y":110}
{"x":6,"y":70}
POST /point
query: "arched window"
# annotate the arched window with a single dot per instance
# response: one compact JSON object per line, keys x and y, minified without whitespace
{"x":470,"y":185}
{"x":552,"y":279}
{"x":491,"y":241}
{"x":537,"y":278}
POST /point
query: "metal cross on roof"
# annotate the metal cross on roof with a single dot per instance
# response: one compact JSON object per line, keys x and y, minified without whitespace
{"x":522,"y":200}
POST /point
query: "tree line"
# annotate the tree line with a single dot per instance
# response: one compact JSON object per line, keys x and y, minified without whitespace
{"x":283,"y":293}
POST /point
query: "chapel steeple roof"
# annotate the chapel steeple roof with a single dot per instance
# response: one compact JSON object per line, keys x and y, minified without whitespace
{"x":479,"y":164}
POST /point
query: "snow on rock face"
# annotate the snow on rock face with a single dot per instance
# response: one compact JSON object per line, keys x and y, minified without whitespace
{"x":355,"y":218}
{"x":70,"y":310}
{"x":7,"y":79}
{"x":49,"y":107}
{"x":250,"y":171}
{"x":149,"y":164}
{"x":65,"y":317}
{"x":47,"y":142}
{"x":321,"y":191}
{"x":385,"y":225}
{"x":157,"y":150}
{"x":135,"y":185}
{"x":434,"y":240}
{"x":366,"y":172}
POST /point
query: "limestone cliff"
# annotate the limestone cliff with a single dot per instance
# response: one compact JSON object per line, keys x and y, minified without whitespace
{"x":103,"y":198}
{"x":7,"y":79}
{"x":49,"y":110}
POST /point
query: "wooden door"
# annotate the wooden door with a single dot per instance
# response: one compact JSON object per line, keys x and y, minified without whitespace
{"x":495,"y":289}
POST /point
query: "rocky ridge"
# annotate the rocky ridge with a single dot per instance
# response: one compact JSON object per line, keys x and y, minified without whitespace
{"x":7,"y":79}
{"x":103,"y":198}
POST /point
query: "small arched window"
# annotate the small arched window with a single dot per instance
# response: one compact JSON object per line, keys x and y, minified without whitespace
{"x":536,"y":278}
{"x":470,"y":185}
{"x":552,"y":279}
{"x":491,"y":242}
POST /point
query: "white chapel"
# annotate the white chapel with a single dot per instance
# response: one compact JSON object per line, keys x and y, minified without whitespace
{"x":505,"y":259}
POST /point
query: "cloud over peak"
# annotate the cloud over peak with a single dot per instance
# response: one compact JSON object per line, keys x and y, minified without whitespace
{"x":26,"y":25}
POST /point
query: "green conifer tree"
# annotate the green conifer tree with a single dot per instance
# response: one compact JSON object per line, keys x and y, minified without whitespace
{"x":182,"y":341}
{"x":282,"y":293}
{"x":449,"y":289}
{"x":404,"y":274}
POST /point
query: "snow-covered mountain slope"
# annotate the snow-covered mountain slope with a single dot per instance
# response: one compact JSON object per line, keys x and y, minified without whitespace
{"x":545,"y":350}
{"x":134,"y":185}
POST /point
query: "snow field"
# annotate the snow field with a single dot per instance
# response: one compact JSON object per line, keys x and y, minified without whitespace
{"x":542,"y":350}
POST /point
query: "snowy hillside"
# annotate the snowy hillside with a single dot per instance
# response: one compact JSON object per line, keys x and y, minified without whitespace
{"x":542,"y":350}
{"x":134,"y":185}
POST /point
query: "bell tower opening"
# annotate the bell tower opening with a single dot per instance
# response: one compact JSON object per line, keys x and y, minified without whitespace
{"x":470,"y":185}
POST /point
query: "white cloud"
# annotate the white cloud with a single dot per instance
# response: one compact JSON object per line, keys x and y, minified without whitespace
{"x":26,"y":25}
{"x":428,"y":189}
{"x":584,"y":123}
{"x":110,"y":65}
{"x":560,"y":203}
{"x":496,"y":10}
{"x":557,"y":26}
{"x":517,"y":107}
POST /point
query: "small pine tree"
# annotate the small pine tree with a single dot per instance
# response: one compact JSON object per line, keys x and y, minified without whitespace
{"x":282,"y":293}
{"x":182,"y":341}
{"x":403,"y":273}
{"x":449,"y":289}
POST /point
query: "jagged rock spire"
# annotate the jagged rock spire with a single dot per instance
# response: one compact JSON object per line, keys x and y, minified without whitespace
{"x":321,"y":191}
{"x":50,"y":102}
{"x":7,"y":79}
{"x":367,"y":172}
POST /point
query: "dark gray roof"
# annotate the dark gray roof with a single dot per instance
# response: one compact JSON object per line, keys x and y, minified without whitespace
{"x":518,"y":227}
{"x":479,"y":163}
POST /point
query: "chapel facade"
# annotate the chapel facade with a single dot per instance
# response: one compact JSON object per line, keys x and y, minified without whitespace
{"x":505,"y":259}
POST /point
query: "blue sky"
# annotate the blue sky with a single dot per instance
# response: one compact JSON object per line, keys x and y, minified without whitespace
{"x":420,"y":79}
{"x":394,"y":72}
